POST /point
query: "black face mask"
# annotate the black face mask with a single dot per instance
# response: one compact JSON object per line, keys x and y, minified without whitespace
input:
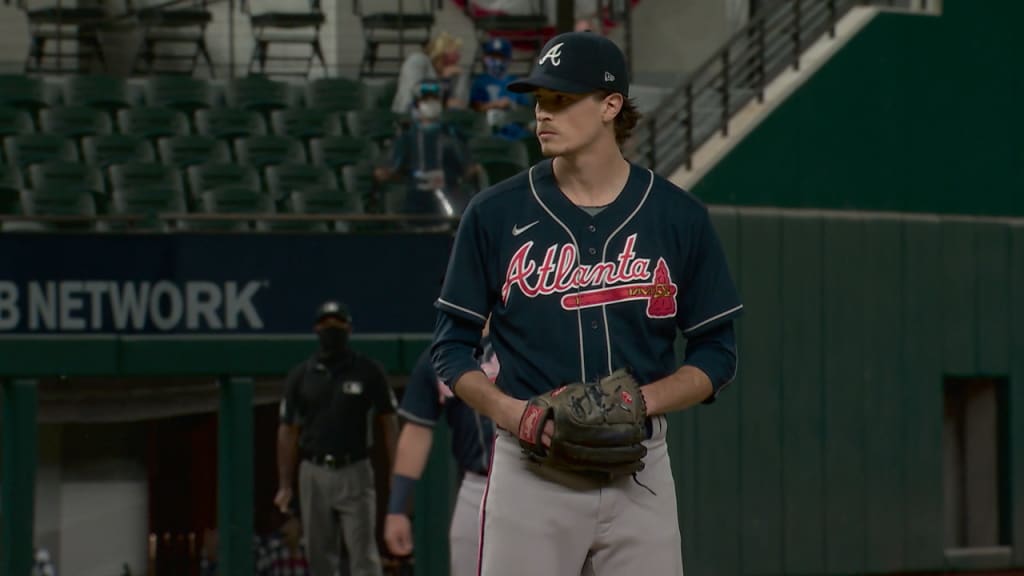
{"x":333,"y":339}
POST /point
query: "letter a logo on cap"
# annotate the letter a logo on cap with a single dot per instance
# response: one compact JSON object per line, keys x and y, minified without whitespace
{"x":554,"y":54}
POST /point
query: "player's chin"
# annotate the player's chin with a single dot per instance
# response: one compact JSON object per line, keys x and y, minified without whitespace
{"x":551,"y":149}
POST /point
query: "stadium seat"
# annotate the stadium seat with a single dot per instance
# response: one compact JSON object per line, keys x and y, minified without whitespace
{"x":148,"y":201}
{"x":102,"y":92}
{"x":145,"y":176}
{"x":107,"y":150}
{"x":180,"y":93}
{"x":326,"y":201}
{"x":376,"y":125}
{"x":335,"y":94}
{"x":488,"y":148}
{"x":153,"y":123}
{"x":258,"y":93}
{"x":212,"y":176}
{"x":231,"y":200}
{"x":379,"y":94}
{"x":14,"y":122}
{"x":338,"y":151}
{"x":287,"y":178}
{"x":28,"y":149}
{"x":468,"y":123}
{"x":24,"y":92}
{"x":59,"y":201}
{"x":185,"y":151}
{"x":230,"y":123}
{"x":75,"y":121}
{"x":306,"y":123}
{"x":263,"y":151}
{"x":69,"y":176}
{"x":10,"y":189}
{"x":358,"y":181}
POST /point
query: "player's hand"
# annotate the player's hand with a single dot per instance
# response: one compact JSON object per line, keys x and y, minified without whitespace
{"x":398,"y":534}
{"x":283,"y":499}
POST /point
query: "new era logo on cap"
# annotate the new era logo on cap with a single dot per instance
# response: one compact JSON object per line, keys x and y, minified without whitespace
{"x":592,"y":63}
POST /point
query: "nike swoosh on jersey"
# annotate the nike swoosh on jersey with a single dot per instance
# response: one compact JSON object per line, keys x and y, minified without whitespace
{"x":516,"y":230}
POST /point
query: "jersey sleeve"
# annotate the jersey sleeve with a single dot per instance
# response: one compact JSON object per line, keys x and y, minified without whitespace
{"x":709,"y":296}
{"x":383,"y":397}
{"x":421,"y":402}
{"x":291,"y":409}
{"x":478,"y":92}
{"x":465,"y":292}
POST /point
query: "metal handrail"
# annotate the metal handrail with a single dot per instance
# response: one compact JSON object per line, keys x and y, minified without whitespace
{"x":737,"y":73}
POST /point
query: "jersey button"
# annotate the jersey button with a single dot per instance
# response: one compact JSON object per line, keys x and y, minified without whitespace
{"x":593,"y":324}
{"x":592,"y":251}
{"x":592,"y":228}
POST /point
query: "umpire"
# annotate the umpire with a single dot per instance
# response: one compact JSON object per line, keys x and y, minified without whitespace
{"x":325,"y":420}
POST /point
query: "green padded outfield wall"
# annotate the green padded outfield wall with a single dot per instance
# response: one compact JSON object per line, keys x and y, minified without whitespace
{"x":825,"y":456}
{"x":918,"y":113}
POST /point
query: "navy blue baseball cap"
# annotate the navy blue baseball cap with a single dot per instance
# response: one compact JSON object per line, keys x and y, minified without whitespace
{"x":333,"y":309}
{"x":578,"y":63}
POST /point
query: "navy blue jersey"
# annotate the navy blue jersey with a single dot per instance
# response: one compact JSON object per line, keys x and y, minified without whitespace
{"x":573,"y":297}
{"x":426,"y":397}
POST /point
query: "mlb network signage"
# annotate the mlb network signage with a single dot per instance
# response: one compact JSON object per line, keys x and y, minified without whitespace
{"x":216,"y":284}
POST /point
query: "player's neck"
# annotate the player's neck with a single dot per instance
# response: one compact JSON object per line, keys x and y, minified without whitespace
{"x":594,"y":176}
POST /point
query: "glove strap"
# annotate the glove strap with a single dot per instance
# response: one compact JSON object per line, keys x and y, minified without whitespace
{"x":531,"y":425}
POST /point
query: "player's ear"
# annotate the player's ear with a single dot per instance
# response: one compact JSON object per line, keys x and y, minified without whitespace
{"x":611,"y":106}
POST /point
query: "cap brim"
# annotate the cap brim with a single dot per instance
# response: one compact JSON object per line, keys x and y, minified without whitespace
{"x":537,"y":81}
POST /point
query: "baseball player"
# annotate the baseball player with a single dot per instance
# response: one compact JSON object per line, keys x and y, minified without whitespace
{"x":587,"y":266}
{"x":472,"y":440}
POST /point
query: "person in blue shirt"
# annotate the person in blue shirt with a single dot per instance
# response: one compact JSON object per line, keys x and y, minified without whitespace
{"x":490,"y":93}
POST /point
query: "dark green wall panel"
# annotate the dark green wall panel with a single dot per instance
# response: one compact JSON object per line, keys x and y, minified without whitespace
{"x":716,"y":465}
{"x":992,"y":257}
{"x":1017,"y":391}
{"x":958,"y":298}
{"x":882,"y":335}
{"x":759,"y":396}
{"x":803,"y":420}
{"x":682,"y":442}
{"x":845,"y":267}
{"x":922,"y":399}
{"x":49,"y":357}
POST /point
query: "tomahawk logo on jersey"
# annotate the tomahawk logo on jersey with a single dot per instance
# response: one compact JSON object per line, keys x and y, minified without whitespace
{"x":609,"y":288}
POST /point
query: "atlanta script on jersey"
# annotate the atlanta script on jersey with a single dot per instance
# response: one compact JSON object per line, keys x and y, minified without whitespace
{"x":610,"y":289}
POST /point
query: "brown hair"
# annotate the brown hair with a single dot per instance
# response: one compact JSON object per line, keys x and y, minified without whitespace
{"x":627,"y":118}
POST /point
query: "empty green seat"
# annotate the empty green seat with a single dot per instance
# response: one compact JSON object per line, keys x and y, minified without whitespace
{"x":376,"y":125}
{"x":379,"y":94}
{"x":358,"y":180}
{"x":263,"y":151}
{"x":14,"y":121}
{"x":153,"y":123}
{"x":335,"y":94}
{"x":185,"y":151}
{"x":230,"y":123}
{"x":306,"y":123}
{"x":58,"y":202}
{"x":326,"y":201}
{"x":338,"y":151}
{"x":487,"y":148}
{"x":284,"y":179}
{"x":467,"y":122}
{"x":258,"y":93}
{"x":145,"y":175}
{"x":107,"y":150}
{"x":24,"y":92}
{"x":29,"y":149}
{"x":231,"y":200}
{"x":218,"y":175}
{"x":10,"y":189}
{"x":102,"y":92}
{"x":181,"y":93}
{"x":66,"y":175}
{"x":148,"y":201}
{"x":75,"y":121}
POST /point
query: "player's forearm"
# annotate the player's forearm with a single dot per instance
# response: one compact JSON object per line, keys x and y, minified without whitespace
{"x":287,"y":454}
{"x":686,"y":387}
{"x":413,"y":450}
{"x":477,"y":390}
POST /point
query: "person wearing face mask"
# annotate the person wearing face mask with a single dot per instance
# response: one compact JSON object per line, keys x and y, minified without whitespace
{"x":439,"y":61}
{"x":431,"y":157}
{"x":326,"y":414}
{"x":490,"y":93}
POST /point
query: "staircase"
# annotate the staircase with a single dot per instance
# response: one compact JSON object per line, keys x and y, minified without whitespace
{"x":739,"y":75}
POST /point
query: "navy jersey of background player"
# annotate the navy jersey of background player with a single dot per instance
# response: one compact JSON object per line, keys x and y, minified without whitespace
{"x":426,"y":397}
{"x":609,"y":289}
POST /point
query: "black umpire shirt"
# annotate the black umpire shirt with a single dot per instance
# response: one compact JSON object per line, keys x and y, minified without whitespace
{"x":333,"y":400}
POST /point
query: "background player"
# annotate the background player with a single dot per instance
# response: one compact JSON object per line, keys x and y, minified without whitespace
{"x":586,"y":264}
{"x":472,"y":439}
